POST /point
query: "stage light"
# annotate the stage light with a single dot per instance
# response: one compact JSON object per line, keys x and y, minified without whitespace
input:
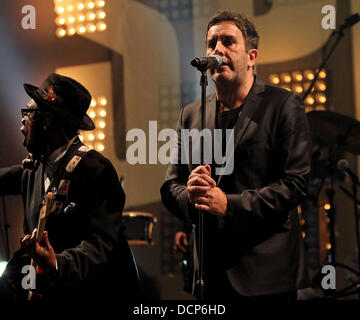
{"x":102,"y":101}
{"x":285,"y":77}
{"x":81,"y":17}
{"x":100,"y":147}
{"x":90,"y":27}
{"x":80,"y":29}
{"x":90,"y":16}
{"x":60,"y":21}
{"x":320,"y":85}
{"x":92,"y":114}
{"x":100,"y":14}
{"x":2,"y":267}
{"x":90,"y":4}
{"x":59,"y":10}
{"x":101,"y":26}
{"x":321,"y":98}
{"x":71,"y":19}
{"x":80,"y":6}
{"x":67,"y":17}
{"x":60,"y":32}
{"x":70,"y":31}
{"x":310,"y":100}
{"x":303,"y":234}
{"x":274,"y":79}
{"x":100,"y":3}
{"x":97,"y":138}
{"x":327,"y":206}
{"x":297,"y":76}
{"x":328,"y":246}
{"x":322,"y":74}
{"x":297,"y":88}
{"x":309,"y":74}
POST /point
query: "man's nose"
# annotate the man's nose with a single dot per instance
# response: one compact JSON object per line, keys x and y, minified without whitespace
{"x":219,"y":49}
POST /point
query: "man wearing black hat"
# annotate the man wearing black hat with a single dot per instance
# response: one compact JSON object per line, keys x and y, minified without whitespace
{"x":83,"y":253}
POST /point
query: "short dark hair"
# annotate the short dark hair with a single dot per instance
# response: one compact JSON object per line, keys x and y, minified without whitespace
{"x":242,"y":22}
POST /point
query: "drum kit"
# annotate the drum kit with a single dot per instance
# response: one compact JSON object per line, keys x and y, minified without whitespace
{"x":334,"y":135}
{"x":139,"y":227}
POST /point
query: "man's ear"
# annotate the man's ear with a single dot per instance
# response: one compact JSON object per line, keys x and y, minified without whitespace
{"x":252,"y":55}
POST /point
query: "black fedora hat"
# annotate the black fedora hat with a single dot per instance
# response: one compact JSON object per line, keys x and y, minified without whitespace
{"x":64,"y":96}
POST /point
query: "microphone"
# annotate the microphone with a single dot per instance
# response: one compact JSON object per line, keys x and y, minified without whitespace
{"x":344,"y":166}
{"x":205,"y":63}
{"x":350,"y":21}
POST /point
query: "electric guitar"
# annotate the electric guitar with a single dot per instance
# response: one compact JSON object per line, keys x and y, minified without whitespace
{"x":44,"y":212}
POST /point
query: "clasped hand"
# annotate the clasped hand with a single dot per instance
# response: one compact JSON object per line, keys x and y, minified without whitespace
{"x":203,"y":192}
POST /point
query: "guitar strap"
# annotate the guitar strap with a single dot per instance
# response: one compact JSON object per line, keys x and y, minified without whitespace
{"x":63,"y":189}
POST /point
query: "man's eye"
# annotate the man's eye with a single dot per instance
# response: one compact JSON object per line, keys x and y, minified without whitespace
{"x":228,"y":42}
{"x":211,"y":44}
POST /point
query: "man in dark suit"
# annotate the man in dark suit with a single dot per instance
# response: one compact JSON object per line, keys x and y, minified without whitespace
{"x":83,"y":254}
{"x":253,"y":248}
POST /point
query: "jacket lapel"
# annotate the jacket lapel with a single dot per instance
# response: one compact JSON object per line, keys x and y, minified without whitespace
{"x":250,"y":106}
{"x":210,"y":111}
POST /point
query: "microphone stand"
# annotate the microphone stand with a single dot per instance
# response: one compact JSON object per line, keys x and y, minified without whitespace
{"x":200,"y":283}
{"x":356,"y":214}
{"x":6,"y":227}
{"x":340,"y":34}
{"x":349,"y":22}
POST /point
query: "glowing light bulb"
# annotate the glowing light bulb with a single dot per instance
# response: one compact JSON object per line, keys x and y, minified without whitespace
{"x":100,"y":14}
{"x":322,"y":74}
{"x":81,"y":29}
{"x":71,"y":31}
{"x":80,"y":6}
{"x":274,"y":79}
{"x":60,"y":32}
{"x":90,"y":16}
{"x":103,"y":101}
{"x":59,"y":10}
{"x":101,"y":26}
{"x":71,"y":19}
{"x":90,"y":27}
{"x":102,"y":113}
{"x":100,"y":4}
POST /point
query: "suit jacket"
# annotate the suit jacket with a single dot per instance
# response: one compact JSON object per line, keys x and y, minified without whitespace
{"x":93,"y":257}
{"x":259,"y":244}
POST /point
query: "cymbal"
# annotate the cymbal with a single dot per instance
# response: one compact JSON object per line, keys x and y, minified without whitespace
{"x":330,"y":128}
